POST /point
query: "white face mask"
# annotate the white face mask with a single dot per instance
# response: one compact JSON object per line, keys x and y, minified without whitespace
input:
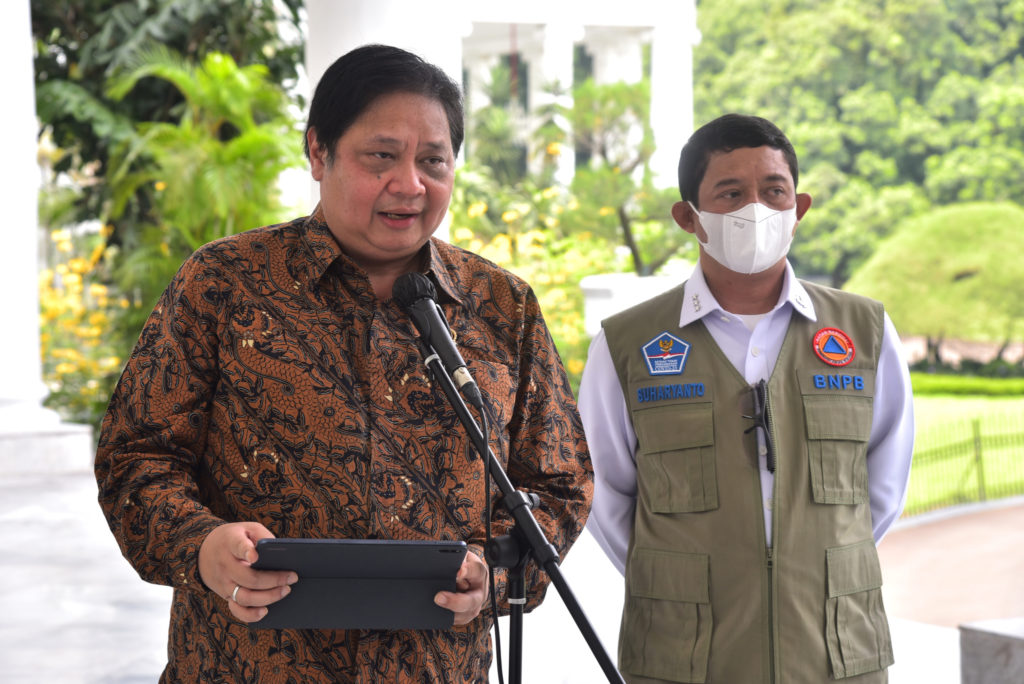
{"x":749,"y":240}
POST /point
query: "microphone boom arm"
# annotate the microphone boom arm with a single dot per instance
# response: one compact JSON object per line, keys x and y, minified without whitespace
{"x":526,"y":526}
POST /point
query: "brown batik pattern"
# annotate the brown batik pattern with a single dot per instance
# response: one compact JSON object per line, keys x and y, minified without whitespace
{"x":269,"y":384}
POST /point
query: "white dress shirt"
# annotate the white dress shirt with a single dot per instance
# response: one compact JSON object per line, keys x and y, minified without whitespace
{"x":613,"y":443}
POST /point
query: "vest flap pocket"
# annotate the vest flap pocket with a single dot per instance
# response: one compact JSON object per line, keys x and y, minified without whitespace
{"x":853,"y":568}
{"x":838,"y":417}
{"x":669,"y":576}
{"x":667,"y":620}
{"x":673,"y":427}
{"x":856,"y":629}
{"x":676,"y":471}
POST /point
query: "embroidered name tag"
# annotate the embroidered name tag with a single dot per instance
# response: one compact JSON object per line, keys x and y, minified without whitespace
{"x":838,"y":381}
{"x":687,"y":390}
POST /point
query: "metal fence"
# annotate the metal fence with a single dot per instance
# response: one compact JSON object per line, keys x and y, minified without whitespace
{"x":966,"y":461}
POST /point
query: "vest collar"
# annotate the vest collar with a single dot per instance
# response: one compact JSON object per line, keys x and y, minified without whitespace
{"x":698,"y":301}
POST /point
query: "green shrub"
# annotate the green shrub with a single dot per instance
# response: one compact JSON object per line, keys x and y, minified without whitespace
{"x":930,"y":383}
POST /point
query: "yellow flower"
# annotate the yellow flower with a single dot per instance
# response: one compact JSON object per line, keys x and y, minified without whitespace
{"x":165,"y":249}
{"x":575,"y":366}
{"x":123,"y":302}
{"x":64,"y":246}
{"x":463,"y":234}
{"x":510,"y":216}
{"x":97,"y":253}
{"x":62,"y":235}
{"x":550,"y":192}
{"x":476,"y":209}
{"x":98,"y":290}
{"x":553,"y":149}
{"x":65,"y":368}
{"x":78,"y":265}
{"x":550,"y":222}
{"x":606,"y":211}
{"x":159,"y":186}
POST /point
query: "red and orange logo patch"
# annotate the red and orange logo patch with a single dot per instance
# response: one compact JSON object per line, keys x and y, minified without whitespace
{"x":833,"y":346}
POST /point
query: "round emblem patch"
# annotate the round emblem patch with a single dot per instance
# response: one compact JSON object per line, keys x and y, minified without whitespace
{"x":833,"y":346}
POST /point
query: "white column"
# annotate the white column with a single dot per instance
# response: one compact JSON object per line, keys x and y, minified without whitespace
{"x":31,"y":436}
{"x":617,"y":52}
{"x":675,"y":34}
{"x":335,"y":27}
{"x":551,"y":63}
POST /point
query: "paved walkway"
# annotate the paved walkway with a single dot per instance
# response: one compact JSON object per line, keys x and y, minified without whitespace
{"x":72,"y":610}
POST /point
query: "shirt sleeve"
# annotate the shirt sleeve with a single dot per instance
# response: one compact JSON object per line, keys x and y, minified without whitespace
{"x":150,"y":440}
{"x":548,"y":451}
{"x":891,"y":445}
{"x":612,"y":441}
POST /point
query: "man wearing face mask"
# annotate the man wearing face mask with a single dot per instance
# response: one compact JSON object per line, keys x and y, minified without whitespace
{"x":751,"y":435}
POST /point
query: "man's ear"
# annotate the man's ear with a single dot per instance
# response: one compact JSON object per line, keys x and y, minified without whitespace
{"x":803,"y":203}
{"x":317,"y":155}
{"x":685,"y":217}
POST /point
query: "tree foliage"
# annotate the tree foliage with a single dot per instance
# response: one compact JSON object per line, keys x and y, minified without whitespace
{"x":81,"y":44}
{"x":893,"y":106}
{"x":946,"y":274}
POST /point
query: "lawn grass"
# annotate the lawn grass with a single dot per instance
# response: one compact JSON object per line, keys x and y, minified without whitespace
{"x":947,"y":469}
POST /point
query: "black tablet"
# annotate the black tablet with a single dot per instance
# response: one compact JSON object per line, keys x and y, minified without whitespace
{"x":361,"y":583}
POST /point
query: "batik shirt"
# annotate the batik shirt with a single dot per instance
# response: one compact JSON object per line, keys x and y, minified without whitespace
{"x":271,"y":385}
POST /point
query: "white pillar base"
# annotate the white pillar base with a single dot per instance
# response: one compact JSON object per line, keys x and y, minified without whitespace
{"x":60,"y":448}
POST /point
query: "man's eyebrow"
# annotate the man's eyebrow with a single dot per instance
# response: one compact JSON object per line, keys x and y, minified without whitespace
{"x":771,"y":178}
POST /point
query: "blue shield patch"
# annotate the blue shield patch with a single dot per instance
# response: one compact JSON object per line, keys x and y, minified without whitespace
{"x":666,"y":354}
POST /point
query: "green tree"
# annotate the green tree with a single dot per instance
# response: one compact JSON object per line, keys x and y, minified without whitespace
{"x":893,"y":106}
{"x":81,"y":44}
{"x":611,"y":124}
{"x":952,"y":272}
{"x":211,"y":174}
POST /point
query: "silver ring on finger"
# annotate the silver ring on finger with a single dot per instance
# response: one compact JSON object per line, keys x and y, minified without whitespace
{"x":234,"y":594}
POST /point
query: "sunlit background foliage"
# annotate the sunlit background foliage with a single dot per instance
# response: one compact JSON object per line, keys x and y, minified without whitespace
{"x":165,"y":125}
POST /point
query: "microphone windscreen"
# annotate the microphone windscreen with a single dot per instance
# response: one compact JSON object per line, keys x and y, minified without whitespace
{"x":412,"y":287}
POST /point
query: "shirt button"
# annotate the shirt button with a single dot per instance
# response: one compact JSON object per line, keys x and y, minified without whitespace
{"x":754,"y":351}
{"x":767,"y":504}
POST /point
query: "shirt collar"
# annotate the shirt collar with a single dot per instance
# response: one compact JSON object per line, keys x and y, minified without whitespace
{"x":320,"y":242}
{"x":698,"y":301}
{"x":435,"y":265}
{"x":324,"y":249}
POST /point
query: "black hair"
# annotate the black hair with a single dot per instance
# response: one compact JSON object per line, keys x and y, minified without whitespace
{"x":725,"y":134}
{"x":357,"y":78}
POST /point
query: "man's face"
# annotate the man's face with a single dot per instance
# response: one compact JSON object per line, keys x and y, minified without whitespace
{"x":390,"y":182}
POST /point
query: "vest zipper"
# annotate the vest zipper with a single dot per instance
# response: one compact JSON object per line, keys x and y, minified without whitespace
{"x":771,"y":617}
{"x":773,"y":456}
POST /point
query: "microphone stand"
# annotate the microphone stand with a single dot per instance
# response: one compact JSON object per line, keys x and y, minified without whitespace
{"x":527,"y":540}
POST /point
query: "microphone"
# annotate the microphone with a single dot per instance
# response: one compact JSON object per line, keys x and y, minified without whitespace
{"x":416,"y":295}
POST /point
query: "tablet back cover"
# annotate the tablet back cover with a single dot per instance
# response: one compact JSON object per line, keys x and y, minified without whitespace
{"x":361,"y":583}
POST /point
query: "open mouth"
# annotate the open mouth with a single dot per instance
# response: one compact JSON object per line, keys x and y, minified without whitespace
{"x":396,"y":217}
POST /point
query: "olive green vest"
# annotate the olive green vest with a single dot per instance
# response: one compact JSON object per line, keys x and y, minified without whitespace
{"x":706,"y":599}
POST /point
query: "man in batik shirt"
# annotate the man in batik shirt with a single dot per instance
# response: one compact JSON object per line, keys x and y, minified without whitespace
{"x":277,"y":390}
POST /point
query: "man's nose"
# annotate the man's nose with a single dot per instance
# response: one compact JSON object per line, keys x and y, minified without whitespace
{"x":406,"y":179}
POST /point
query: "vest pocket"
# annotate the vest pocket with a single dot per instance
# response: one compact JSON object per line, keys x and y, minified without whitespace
{"x":838,"y":428}
{"x":676,"y":458}
{"x":856,"y":629}
{"x":666,"y":623}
